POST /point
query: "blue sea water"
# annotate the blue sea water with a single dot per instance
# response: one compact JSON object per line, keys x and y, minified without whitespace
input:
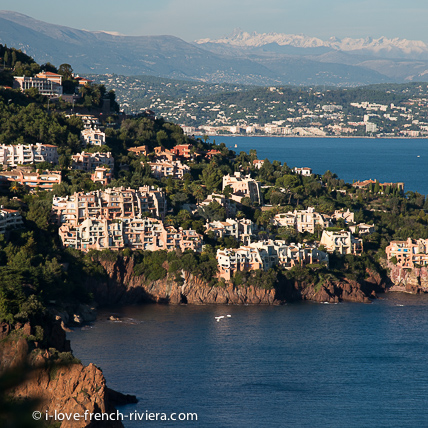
{"x":388,"y":160}
{"x":297,"y":365}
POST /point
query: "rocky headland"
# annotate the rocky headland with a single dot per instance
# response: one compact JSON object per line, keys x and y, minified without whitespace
{"x":36,"y":364}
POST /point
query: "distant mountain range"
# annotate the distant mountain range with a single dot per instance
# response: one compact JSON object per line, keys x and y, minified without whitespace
{"x":384,"y":47}
{"x":244,"y":58}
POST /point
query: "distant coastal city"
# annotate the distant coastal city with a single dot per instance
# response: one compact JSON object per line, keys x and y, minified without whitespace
{"x":384,"y":110}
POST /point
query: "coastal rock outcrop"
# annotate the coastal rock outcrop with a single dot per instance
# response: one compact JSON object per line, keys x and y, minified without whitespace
{"x":412,"y":281}
{"x":122,"y":286}
{"x":53,"y":379}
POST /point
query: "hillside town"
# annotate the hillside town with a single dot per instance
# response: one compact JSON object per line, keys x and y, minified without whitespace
{"x":141,"y":217}
{"x":379,"y":111}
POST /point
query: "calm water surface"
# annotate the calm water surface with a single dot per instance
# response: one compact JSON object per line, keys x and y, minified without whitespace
{"x":298,"y":365}
{"x":350,"y":158}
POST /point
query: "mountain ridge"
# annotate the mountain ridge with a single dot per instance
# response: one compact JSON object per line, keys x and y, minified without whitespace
{"x":347,"y":44}
{"x":168,"y":56}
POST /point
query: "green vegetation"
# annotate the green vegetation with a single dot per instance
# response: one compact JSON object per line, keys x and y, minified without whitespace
{"x":155,"y":265}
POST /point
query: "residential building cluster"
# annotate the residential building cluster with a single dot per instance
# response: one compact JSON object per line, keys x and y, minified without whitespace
{"x":48,"y":84}
{"x":119,"y":218}
{"x":111,"y":204}
{"x":136,"y":233}
{"x":366,"y":183}
{"x":303,"y":220}
{"x":265,"y":255}
{"x":408,"y":254}
{"x":92,"y":137}
{"x":341,"y":242}
{"x":88,"y":162}
{"x":174,"y":169}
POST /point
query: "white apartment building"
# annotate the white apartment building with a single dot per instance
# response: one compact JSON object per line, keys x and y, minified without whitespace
{"x":371,"y":127}
{"x":342,"y":242}
{"x":92,"y":137}
{"x":90,"y":161}
{"x":243,"y":186}
{"x":46,"y":87}
{"x":9,"y":219}
{"x":242,"y":230}
{"x":302,"y":220}
{"x":21,"y":154}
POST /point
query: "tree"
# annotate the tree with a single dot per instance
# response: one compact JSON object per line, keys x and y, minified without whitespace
{"x":198,"y":193}
{"x":161,"y":137}
{"x":66,"y":71}
{"x":13,"y":58}
{"x":49,"y":67}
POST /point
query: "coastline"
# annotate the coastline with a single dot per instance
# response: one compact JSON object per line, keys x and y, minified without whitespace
{"x":316,"y":136}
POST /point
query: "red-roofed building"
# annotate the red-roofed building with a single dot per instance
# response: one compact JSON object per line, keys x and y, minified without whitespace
{"x":258,"y":163}
{"x":82,"y":81}
{"x":140,"y":150}
{"x":212,"y":153}
{"x":182,"y":150}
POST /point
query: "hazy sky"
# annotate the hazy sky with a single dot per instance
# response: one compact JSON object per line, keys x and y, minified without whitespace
{"x":194,"y":19}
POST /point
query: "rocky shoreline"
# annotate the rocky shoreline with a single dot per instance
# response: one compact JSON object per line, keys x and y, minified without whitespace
{"x":75,"y":388}
{"x":121,"y":286}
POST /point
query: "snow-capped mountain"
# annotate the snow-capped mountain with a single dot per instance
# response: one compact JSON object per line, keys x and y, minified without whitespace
{"x":381,"y":45}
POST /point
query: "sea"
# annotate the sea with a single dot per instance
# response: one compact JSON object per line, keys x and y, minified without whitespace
{"x":297,"y":365}
{"x":352,"y":159}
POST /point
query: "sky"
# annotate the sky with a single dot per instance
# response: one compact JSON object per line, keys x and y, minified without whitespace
{"x":196,"y":19}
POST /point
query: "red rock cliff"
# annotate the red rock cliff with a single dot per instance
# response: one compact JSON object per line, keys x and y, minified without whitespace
{"x":50,"y":382}
{"x":122,"y":286}
{"x":408,"y":280}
